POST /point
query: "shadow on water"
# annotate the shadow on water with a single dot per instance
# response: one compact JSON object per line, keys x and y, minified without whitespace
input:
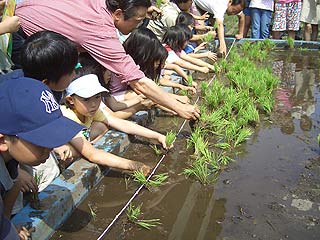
{"x":271,"y":191}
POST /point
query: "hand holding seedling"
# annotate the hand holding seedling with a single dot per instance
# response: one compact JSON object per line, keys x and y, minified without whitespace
{"x":154,"y":13}
{"x":140,"y":167}
{"x":27,"y":181}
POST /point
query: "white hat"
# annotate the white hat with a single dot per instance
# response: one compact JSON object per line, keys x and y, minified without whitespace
{"x":85,"y":86}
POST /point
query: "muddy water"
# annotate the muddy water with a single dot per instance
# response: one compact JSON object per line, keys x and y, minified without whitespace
{"x":271,"y":191}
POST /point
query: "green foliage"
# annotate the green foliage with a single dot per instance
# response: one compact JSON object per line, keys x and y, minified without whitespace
{"x":207,"y":38}
{"x":156,"y":150}
{"x":170,"y":138}
{"x":290,"y":42}
{"x":230,"y":108}
{"x":155,"y":181}
{"x":189,"y":80}
{"x":133,"y":214}
{"x":158,"y":3}
{"x":319,"y":139}
{"x":92,"y":212}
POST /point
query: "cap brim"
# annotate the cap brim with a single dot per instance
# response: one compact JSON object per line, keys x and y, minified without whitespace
{"x":53,"y":134}
{"x":87,"y":93}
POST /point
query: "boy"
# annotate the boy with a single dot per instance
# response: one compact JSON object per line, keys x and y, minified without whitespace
{"x":27,"y":135}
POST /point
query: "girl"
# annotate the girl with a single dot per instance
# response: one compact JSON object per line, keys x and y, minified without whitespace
{"x":175,"y":40}
{"x":83,"y":98}
{"x":151,"y":57}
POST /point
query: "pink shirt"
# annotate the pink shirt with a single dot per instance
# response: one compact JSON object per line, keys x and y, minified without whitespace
{"x":90,"y":25}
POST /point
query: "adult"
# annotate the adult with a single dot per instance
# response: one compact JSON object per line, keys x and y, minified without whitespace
{"x":218,"y":9}
{"x":310,"y":16}
{"x":170,"y":11}
{"x":92,"y":26}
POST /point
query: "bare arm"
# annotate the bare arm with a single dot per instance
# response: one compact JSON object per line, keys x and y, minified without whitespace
{"x":222,"y":47}
{"x":196,"y":61}
{"x":82,"y":146}
{"x":151,"y":90}
{"x":177,"y":69}
{"x":135,"y":129}
{"x":191,"y":66}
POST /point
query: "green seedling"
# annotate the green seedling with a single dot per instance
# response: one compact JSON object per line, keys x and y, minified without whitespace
{"x":189,"y":80}
{"x":223,"y":145}
{"x":156,"y":150}
{"x":158,"y":3}
{"x":92,"y":212}
{"x":155,"y":181}
{"x":170,"y":138}
{"x":207,"y":38}
{"x":290,"y":42}
{"x":39,"y":179}
{"x":319,"y":139}
{"x":243,"y":134}
{"x":133,"y":214}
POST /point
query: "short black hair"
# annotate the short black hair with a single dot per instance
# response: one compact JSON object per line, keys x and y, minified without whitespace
{"x":127,"y":6}
{"x":179,"y":1}
{"x":185,"y":18}
{"x":145,"y":48}
{"x":176,"y":36}
{"x":48,"y":55}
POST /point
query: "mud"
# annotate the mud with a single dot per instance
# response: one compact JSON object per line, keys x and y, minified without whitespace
{"x":270,"y":191}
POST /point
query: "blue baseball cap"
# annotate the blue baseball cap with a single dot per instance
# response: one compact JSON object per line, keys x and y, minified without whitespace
{"x":29,"y":111}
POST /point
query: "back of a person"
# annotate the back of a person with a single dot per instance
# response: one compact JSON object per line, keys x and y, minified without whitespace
{"x":65,"y":17}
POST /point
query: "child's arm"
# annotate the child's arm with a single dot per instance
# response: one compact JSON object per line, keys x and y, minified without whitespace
{"x":177,"y":69}
{"x":98,"y":156}
{"x":222,"y":47}
{"x":165,"y":81}
{"x":207,"y":54}
{"x":10,"y":198}
{"x":135,"y":129}
{"x":9,"y":25}
{"x":188,"y":65}
{"x":200,"y":37}
{"x":196,"y":62}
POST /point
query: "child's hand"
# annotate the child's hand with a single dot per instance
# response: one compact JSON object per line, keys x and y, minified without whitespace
{"x":192,"y":89}
{"x":162,"y":141}
{"x":10,"y":25}
{"x":141,"y":167}
{"x":64,"y":152}
{"x":27,"y":181}
{"x":204,"y":69}
{"x":204,"y":16}
{"x":23,"y":233}
{"x":212,"y":56}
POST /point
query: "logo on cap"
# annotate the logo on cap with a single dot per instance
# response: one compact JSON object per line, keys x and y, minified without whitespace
{"x":49,"y":101}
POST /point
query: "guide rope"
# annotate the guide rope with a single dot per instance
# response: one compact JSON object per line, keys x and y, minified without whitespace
{"x":154,"y":169}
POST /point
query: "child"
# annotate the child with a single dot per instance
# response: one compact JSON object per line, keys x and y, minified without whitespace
{"x":83,"y":98}
{"x":27,"y":136}
{"x":261,"y":15}
{"x":188,"y":19}
{"x":151,"y":57}
{"x":310,"y":16}
{"x":175,"y":40}
{"x":286,"y":17}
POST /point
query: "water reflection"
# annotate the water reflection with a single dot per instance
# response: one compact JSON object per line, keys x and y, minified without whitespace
{"x":295,"y":95}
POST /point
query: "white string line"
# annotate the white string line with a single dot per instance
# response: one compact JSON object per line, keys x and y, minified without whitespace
{"x":151,"y":174}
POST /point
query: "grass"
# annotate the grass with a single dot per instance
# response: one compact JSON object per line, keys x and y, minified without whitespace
{"x":230,"y":108}
{"x":170,"y":138}
{"x":156,"y":150}
{"x":134,"y":213}
{"x":290,"y":42}
{"x":155,"y":181}
{"x":92,"y":212}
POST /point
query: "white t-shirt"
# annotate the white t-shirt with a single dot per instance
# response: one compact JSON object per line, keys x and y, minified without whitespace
{"x":215,"y":7}
{"x":262,"y":4}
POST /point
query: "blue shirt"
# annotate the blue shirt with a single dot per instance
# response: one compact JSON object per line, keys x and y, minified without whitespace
{"x":7,"y":230}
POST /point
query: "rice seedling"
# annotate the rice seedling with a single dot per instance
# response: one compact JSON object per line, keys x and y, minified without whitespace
{"x":290,"y":42}
{"x":155,"y":181}
{"x":268,"y":44}
{"x":133,"y":214}
{"x":158,"y":3}
{"x":199,"y":169}
{"x":242,"y":135}
{"x":223,"y":145}
{"x":207,"y":38}
{"x":92,"y":212}
{"x":189,"y":80}
{"x":156,"y":150}
{"x":170,"y":138}
{"x":319,"y":139}
{"x":39,"y":179}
